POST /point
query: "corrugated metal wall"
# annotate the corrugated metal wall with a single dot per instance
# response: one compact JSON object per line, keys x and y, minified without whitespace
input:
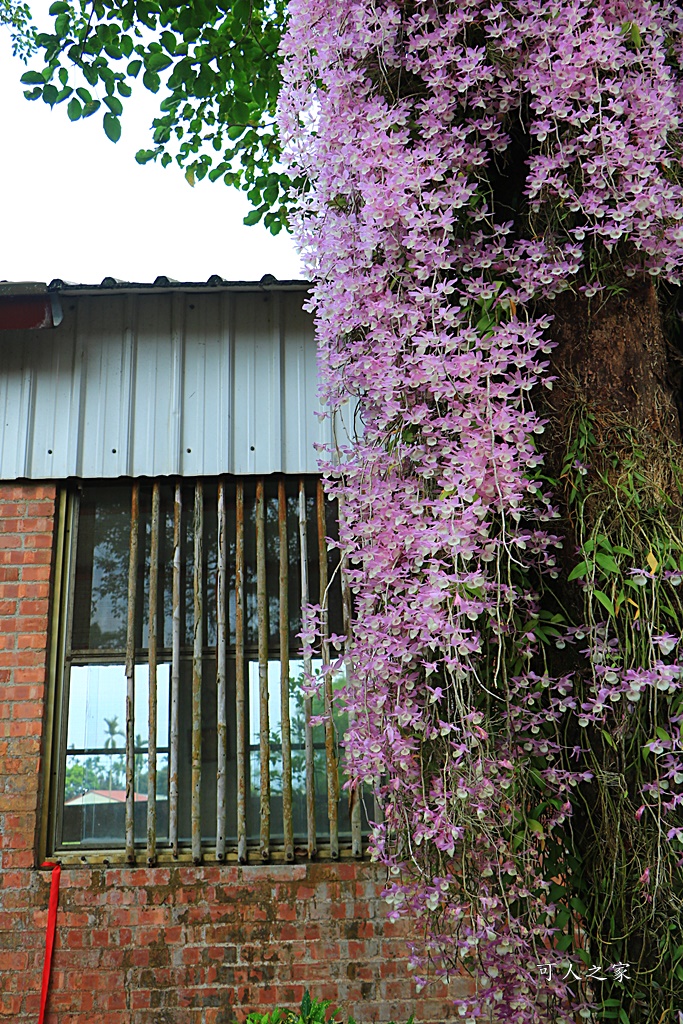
{"x":154,"y":384}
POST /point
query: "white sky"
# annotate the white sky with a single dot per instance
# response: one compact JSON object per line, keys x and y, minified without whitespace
{"x":78,"y":207}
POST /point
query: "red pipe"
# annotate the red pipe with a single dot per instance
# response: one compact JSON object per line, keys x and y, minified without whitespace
{"x":50,"y":934}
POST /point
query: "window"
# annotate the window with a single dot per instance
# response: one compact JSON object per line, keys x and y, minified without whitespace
{"x":184,"y":724}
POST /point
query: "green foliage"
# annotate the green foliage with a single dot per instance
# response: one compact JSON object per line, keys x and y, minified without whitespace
{"x":625,"y":505}
{"x":215,"y":66}
{"x":17,"y":18}
{"x":310,"y":1012}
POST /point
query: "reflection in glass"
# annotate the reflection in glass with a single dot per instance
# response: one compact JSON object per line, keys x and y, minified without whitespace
{"x":94,"y":800}
{"x":298,"y":740}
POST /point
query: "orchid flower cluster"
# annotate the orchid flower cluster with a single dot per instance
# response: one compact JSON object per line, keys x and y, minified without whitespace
{"x":402,"y":120}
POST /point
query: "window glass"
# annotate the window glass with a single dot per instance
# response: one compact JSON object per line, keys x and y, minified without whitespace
{"x":92,"y":778}
{"x":94,"y":793}
{"x":101,"y":584}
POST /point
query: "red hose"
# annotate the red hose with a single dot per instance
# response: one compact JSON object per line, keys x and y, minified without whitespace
{"x":50,"y":934}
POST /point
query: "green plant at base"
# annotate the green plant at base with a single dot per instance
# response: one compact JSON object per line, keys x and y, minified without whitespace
{"x":310,"y":1012}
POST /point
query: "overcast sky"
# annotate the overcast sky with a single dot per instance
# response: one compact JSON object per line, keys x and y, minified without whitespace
{"x":77,"y":206}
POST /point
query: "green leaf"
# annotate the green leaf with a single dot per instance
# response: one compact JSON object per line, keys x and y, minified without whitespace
{"x":91,"y":108}
{"x":562,"y":918}
{"x":604,"y":601}
{"x":158,"y":62}
{"x":623,"y":1017}
{"x":84,"y":95}
{"x":58,"y":8}
{"x":32,"y":78}
{"x":578,"y":571}
{"x":114,"y":104}
{"x":608,"y":739}
{"x":606,"y":562}
{"x":253,"y":217}
{"x":62,"y":25}
{"x":151,"y":81}
{"x":133,"y":68}
{"x":241,"y":11}
{"x":74,"y":109}
{"x":112,"y":127}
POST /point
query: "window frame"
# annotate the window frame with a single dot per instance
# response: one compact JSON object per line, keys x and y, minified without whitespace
{"x":62,"y":657}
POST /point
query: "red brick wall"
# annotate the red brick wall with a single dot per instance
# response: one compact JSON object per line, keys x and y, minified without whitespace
{"x":166,"y":945}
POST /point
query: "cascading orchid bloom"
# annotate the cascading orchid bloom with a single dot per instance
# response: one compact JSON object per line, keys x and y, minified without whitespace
{"x":400,"y":116}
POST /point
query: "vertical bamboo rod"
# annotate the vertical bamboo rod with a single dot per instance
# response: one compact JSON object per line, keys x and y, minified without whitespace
{"x":354,"y":794}
{"x":310,"y":765}
{"x":152,"y":714}
{"x":130,"y":673}
{"x":288,"y":825}
{"x":175,"y":676}
{"x":239,"y":677}
{"x":264,"y":722}
{"x":198,"y":583}
{"x":63,"y":719}
{"x":330,"y":751}
{"x":221,"y":669}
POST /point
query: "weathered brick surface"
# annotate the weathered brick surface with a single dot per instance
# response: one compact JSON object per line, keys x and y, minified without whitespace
{"x":165,"y":945}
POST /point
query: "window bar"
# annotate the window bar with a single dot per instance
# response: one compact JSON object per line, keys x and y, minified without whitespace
{"x":73,"y":549}
{"x":239,"y":677}
{"x":354,"y":793}
{"x":221,"y":670}
{"x":288,"y":826}
{"x":130,"y":673}
{"x":330,"y":752}
{"x":197,"y":674}
{"x":152,"y":648}
{"x":175,"y":676}
{"x":264,"y":724}
{"x":310,"y":777}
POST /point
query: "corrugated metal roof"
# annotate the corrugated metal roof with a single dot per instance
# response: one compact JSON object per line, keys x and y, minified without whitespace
{"x":161,"y":283}
{"x":163,"y":379}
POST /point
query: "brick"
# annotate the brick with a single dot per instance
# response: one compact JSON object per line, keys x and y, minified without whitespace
{"x":11,"y":509}
{"x":33,"y":607}
{"x":34,"y":524}
{"x":37,"y":540}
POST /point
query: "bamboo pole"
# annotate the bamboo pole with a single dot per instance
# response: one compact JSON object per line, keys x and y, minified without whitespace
{"x":288,"y":825}
{"x":330,"y":746}
{"x":309,"y":754}
{"x":130,"y":673}
{"x":264,"y":720}
{"x":152,"y":712}
{"x":175,"y":676}
{"x":239,"y":677}
{"x":198,"y":585}
{"x":221,"y":668}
